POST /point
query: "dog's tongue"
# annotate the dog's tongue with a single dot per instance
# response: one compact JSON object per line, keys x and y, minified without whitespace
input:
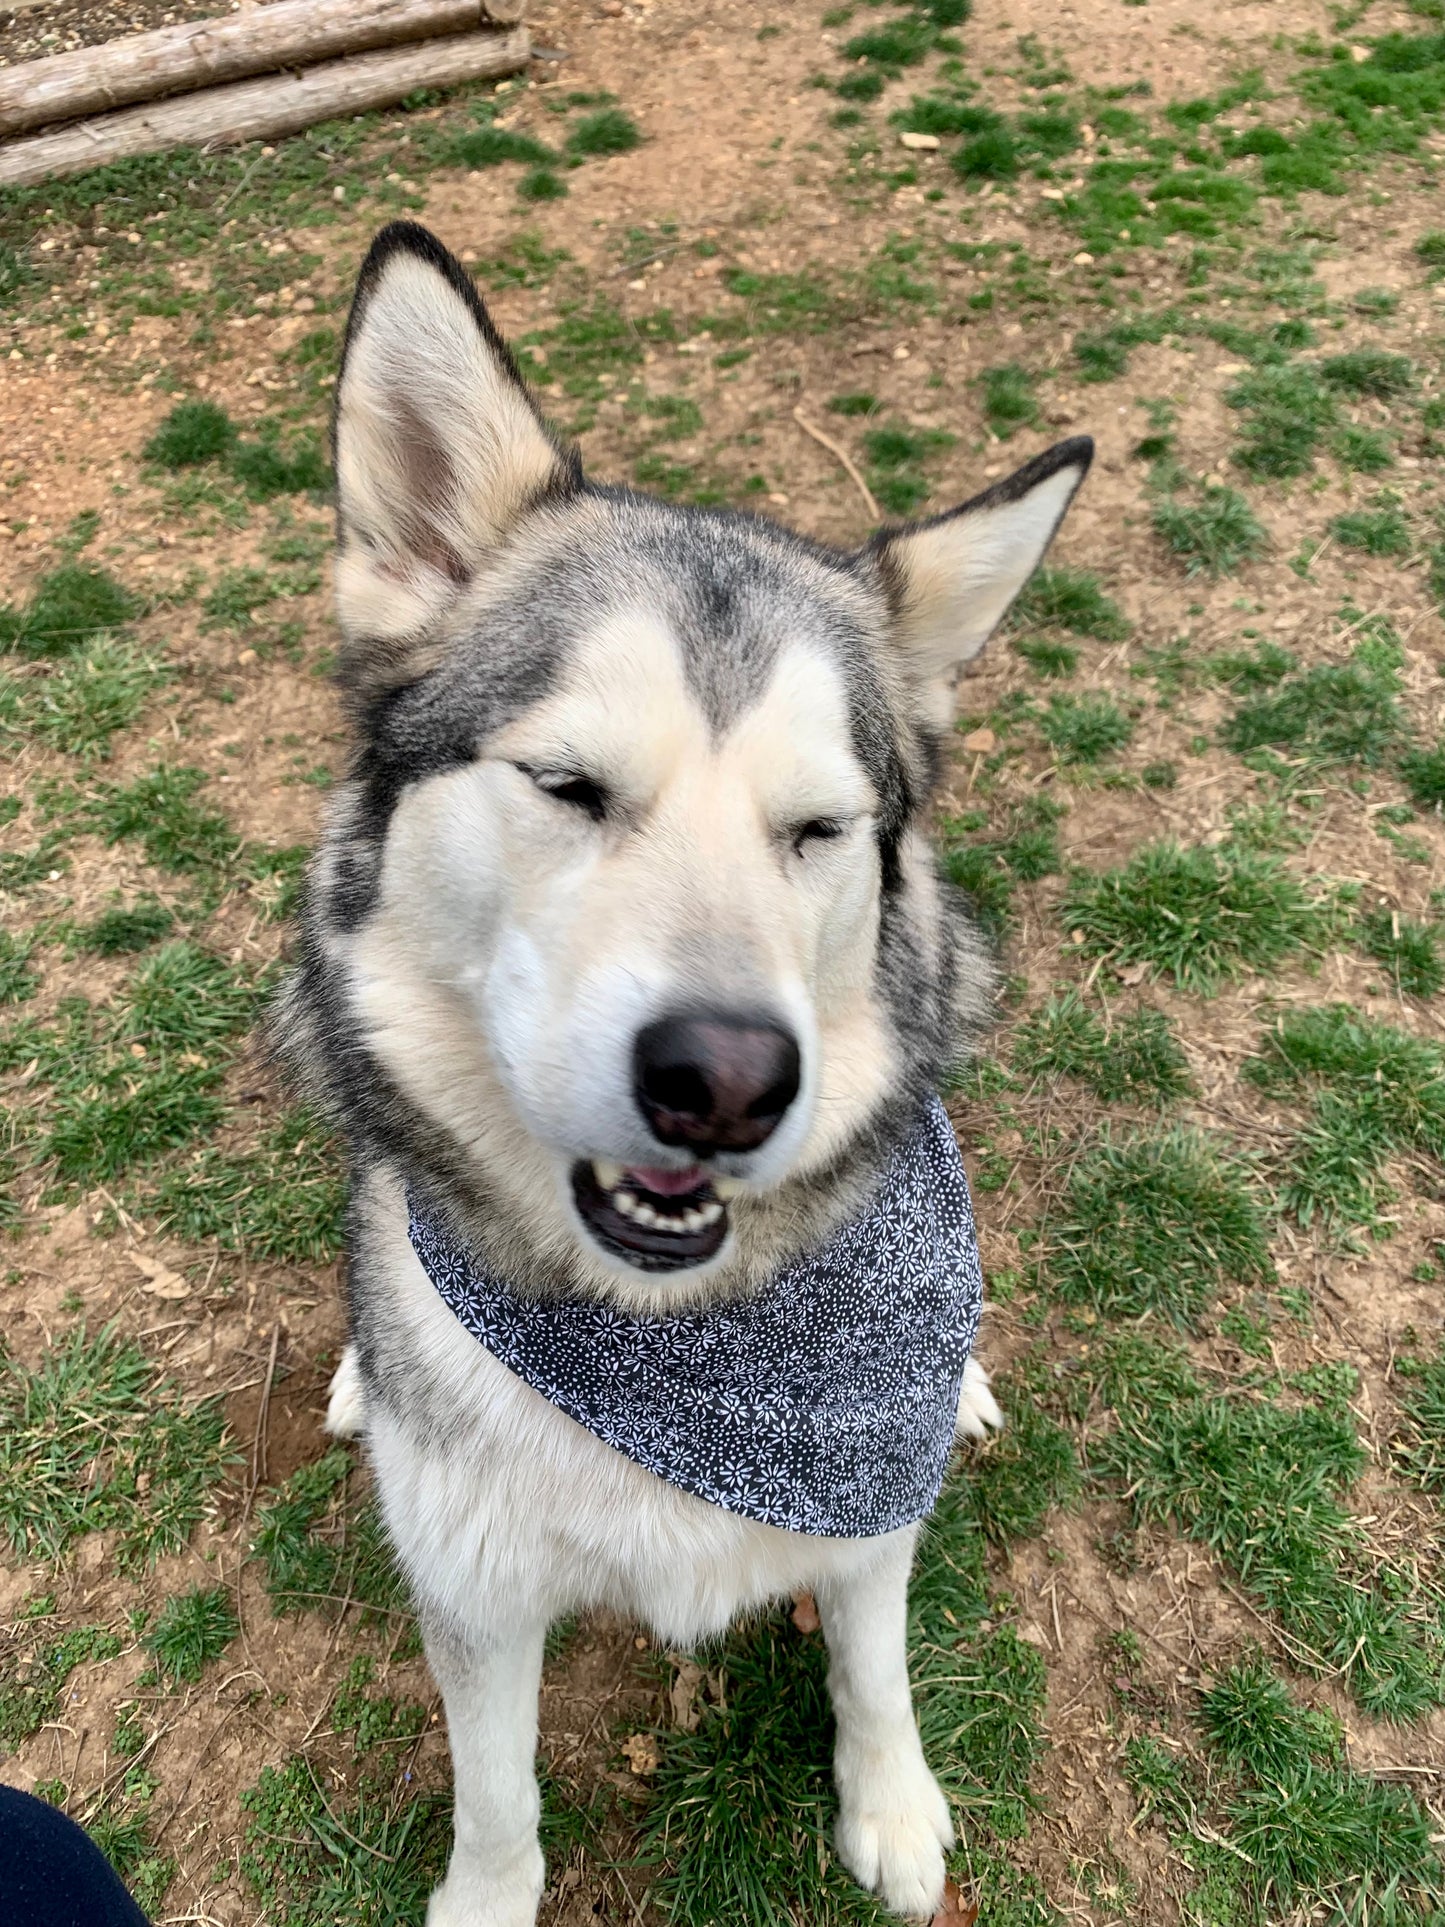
{"x":667,"y":1184}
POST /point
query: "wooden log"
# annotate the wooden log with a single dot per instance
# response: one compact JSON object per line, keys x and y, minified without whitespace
{"x":203,"y":53}
{"x":265,"y":109}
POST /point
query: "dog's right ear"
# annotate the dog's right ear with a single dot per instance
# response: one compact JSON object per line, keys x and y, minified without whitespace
{"x":439,"y":452}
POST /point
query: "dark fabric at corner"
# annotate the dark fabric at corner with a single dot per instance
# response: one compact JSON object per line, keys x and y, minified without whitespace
{"x":52,"y":1874}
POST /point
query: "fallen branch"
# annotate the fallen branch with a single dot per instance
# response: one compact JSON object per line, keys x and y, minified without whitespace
{"x":840,"y":454}
{"x":205,"y":53}
{"x":265,"y":109}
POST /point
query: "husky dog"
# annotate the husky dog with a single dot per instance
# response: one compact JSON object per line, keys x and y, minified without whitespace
{"x":624,"y":952}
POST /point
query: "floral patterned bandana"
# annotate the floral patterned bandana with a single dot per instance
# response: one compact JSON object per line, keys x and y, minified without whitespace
{"x":824,"y":1403}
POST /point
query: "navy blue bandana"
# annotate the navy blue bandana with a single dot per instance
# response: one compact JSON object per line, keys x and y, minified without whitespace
{"x":824,"y":1403}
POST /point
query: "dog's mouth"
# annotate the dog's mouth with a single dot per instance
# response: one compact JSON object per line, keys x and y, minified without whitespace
{"x":653,"y":1219}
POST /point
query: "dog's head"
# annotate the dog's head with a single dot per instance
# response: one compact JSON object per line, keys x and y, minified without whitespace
{"x":624,"y":935}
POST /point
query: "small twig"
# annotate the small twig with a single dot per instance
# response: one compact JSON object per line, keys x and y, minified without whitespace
{"x":841,"y":454}
{"x":258,"y":1443}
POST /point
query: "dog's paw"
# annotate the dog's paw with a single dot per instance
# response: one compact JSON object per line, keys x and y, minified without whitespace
{"x":894,"y":1827}
{"x":473,"y":1896}
{"x":346,"y":1407}
{"x":978,"y":1409}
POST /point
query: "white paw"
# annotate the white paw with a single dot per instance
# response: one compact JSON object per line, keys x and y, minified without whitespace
{"x":346,"y":1408}
{"x":470,"y":1898}
{"x":894,"y":1827}
{"x":978,"y":1411}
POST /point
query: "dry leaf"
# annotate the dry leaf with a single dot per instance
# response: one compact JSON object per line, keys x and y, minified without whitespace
{"x":805,"y":1612}
{"x":161,"y":1281}
{"x":683,"y":1694}
{"x":980,"y":742}
{"x":640,"y":1750}
{"x":955,"y":1911}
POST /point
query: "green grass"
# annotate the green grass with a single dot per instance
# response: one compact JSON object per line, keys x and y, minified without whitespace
{"x":1329,"y":713}
{"x":1417,"y":1450}
{"x":77,"y":704}
{"x":1287,"y":409}
{"x":609,"y":131}
{"x":66,"y":608}
{"x":193,"y":432}
{"x":319,"y":1553}
{"x":1214,"y":535}
{"x":282,"y":1199}
{"x":159,"y":810}
{"x":1423,"y":771}
{"x":1198,"y":915}
{"x":1369,"y":373}
{"x":1009,"y":399}
{"x":18,"y":981}
{"x":1083,"y":729}
{"x":1382,"y":531}
{"x":1409,"y":950}
{"x":896,"y":457}
{"x":1157,"y":1222}
{"x":1264,"y":1487}
{"x":1050,"y":657}
{"x":119,"y":932}
{"x":1134,"y":1057}
{"x":193,"y":1628}
{"x":1065,"y":598}
{"x":1371,"y":1090}
{"x":988,"y":868}
{"x":94,"y":1438}
{"x":1274,"y":1822}
{"x":316,"y":1861}
{"x":32,"y":1686}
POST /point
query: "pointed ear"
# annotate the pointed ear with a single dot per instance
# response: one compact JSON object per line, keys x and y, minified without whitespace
{"x":439,"y":452}
{"x":951,"y":580}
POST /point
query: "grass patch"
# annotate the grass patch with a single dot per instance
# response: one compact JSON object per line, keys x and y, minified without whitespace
{"x":1334,"y":712}
{"x":1382,"y":531}
{"x":159,"y":810}
{"x":78,"y":703}
{"x":1065,"y":598}
{"x":1408,"y":949}
{"x":118,"y":932}
{"x":318,"y":1553}
{"x":32,"y":1687}
{"x":193,"y":432}
{"x":193,"y":1628}
{"x":1263,"y":1486}
{"x":610,"y":131}
{"x":1369,"y":374}
{"x":281,"y":1200}
{"x":1132,"y":1058}
{"x":896,"y":457}
{"x":1417,"y":1450}
{"x":1083,"y":729}
{"x":198,"y":434}
{"x":1050,"y":657}
{"x":1287,"y":409}
{"x":94,"y":1438}
{"x":988,"y":868}
{"x":1197,"y":915}
{"x":1373,"y":1091}
{"x":1423,"y":771}
{"x":1009,"y":399}
{"x":1159,"y":1223}
{"x":1214,"y":535}
{"x":65,"y":609}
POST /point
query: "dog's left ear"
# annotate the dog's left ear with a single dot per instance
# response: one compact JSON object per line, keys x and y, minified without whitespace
{"x":439,"y":454}
{"x":951,"y":580}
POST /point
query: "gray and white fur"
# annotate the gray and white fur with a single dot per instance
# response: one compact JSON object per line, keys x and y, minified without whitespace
{"x":625,"y":948}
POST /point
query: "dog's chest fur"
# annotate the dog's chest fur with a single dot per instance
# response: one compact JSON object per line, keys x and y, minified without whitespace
{"x":492,"y":1493}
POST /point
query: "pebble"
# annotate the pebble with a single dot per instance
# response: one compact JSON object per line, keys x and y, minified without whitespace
{"x":919,"y":143}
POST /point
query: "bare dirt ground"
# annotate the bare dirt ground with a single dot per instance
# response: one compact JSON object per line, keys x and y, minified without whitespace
{"x":743,"y":171}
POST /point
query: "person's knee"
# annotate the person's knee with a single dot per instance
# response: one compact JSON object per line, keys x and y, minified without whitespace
{"x":52,"y":1874}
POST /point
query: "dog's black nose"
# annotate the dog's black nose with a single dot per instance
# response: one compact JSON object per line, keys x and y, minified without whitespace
{"x":715,"y":1082}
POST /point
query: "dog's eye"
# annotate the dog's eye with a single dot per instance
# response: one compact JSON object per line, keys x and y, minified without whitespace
{"x":578,"y":792}
{"x":819,"y":829}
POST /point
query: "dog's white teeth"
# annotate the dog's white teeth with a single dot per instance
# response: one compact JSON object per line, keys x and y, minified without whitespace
{"x":626,"y":1203}
{"x":693,"y":1221}
{"x":708,"y":1213}
{"x":726,"y":1189}
{"x":644,"y":1214}
{"x":609,"y":1175}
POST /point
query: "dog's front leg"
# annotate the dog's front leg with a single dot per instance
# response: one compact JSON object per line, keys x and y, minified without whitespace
{"x":893,"y":1820}
{"x":495,"y":1877}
